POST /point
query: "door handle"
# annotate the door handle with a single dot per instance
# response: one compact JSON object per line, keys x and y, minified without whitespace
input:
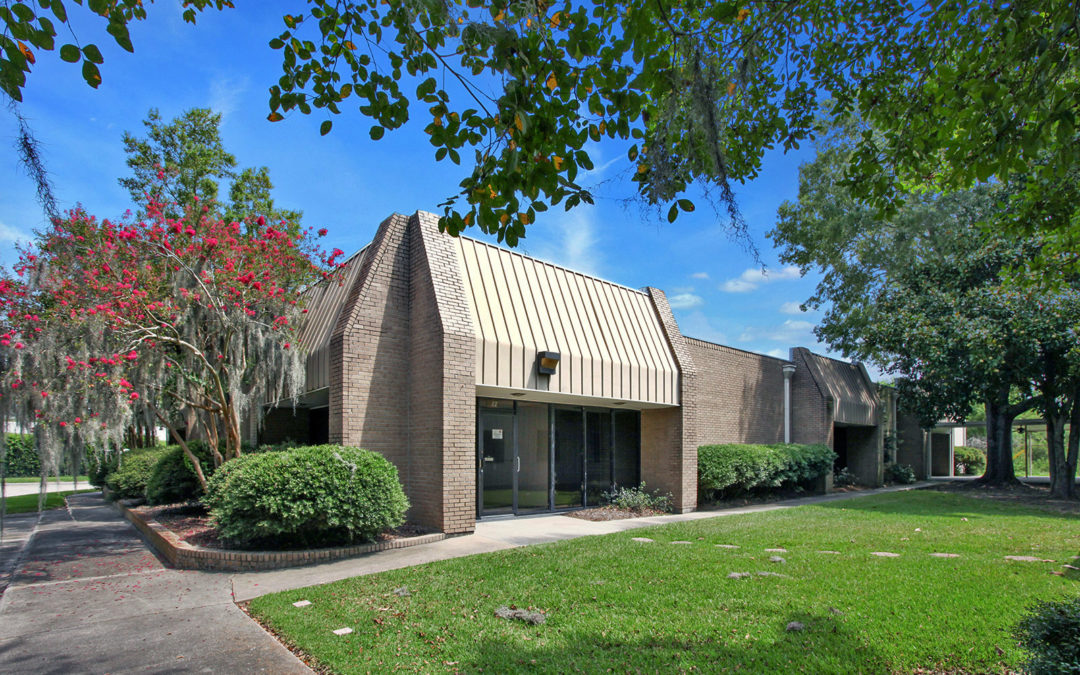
{"x":517,"y":464}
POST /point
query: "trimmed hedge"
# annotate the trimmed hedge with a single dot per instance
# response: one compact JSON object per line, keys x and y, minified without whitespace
{"x":317,"y":495}
{"x":172,"y":478}
{"x":22,"y":459}
{"x":971,"y":460}
{"x":738,"y":467}
{"x":129,"y":480}
{"x":1050,"y":634}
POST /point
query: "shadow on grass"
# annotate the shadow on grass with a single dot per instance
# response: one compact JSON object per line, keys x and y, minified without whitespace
{"x":823,"y":645}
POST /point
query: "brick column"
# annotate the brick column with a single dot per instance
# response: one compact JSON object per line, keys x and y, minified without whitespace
{"x":669,"y":436}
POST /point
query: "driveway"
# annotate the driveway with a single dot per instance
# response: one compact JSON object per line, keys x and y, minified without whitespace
{"x":87,"y":596}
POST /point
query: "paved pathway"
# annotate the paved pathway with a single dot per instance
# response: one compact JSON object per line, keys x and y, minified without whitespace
{"x":88,"y":596}
{"x":494,"y":535}
{"x":17,"y":489}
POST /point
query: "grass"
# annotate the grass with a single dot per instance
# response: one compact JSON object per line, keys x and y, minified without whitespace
{"x":29,"y":503}
{"x":52,"y":479}
{"x":613,"y":603}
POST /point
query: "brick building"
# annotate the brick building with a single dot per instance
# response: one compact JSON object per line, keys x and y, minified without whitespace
{"x":502,"y":384}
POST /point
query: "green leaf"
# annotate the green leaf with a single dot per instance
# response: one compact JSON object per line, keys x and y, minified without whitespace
{"x":120,"y":33}
{"x":376,"y":132}
{"x":673,"y":213}
{"x":325,"y":127}
{"x":90,"y":74}
{"x":58,"y":10}
{"x":686,"y":205}
{"x":93,"y":53}
{"x":69,"y":53}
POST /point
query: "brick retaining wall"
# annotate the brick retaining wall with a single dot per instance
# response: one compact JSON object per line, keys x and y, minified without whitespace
{"x":183,"y":555}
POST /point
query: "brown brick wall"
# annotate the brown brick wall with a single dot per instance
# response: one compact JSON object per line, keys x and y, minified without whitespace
{"x":811,"y":411}
{"x":442,"y":381}
{"x":669,"y":437}
{"x":909,"y":440}
{"x":741,"y":395}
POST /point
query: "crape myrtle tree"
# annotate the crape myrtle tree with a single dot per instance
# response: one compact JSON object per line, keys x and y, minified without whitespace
{"x":107,"y":320}
{"x":520,"y":91}
{"x":930,"y":296}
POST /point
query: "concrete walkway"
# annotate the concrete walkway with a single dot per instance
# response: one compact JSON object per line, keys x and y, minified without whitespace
{"x":18,"y":489}
{"x":88,"y":596}
{"x":495,"y":535}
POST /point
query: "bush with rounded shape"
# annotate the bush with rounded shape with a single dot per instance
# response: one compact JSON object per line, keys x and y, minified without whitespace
{"x":129,"y":480}
{"x":309,"y":496}
{"x":173,"y":478}
{"x":1050,"y":634}
{"x":969,"y":461}
{"x":900,"y":473}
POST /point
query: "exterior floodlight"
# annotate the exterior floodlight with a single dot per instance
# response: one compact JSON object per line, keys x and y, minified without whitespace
{"x":547,"y":362}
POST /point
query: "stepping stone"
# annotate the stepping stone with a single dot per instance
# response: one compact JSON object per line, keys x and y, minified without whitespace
{"x":643,"y":540}
{"x":726,"y":546}
{"x":944,"y":555}
{"x":343,"y":631}
{"x":833,"y":610}
{"x":402,"y":592}
{"x":776,"y":550}
{"x":794,"y":627}
{"x":738,"y":575}
{"x":1071,"y":567}
{"x":776,"y":559}
{"x":682,"y":542}
{"x":830,"y":552}
{"x":885,"y":554}
{"x":771,"y":574}
{"x":1026,"y":558}
{"x":301,"y":603}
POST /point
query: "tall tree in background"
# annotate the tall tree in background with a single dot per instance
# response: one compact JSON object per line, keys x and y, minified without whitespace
{"x":183,"y":163}
{"x":927,"y":294}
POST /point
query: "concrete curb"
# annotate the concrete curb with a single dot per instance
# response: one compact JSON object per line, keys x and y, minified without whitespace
{"x":183,"y":555}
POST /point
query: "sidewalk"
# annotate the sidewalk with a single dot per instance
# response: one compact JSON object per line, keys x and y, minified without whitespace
{"x":88,"y":596}
{"x":18,"y":489}
{"x":495,"y":535}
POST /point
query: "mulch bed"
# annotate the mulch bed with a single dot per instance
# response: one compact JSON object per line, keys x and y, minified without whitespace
{"x":1037,"y":496}
{"x":600,"y":513}
{"x":193,"y":524}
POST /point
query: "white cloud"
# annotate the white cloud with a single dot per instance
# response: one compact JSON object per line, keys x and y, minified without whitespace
{"x":699,"y":326}
{"x":791,"y":332}
{"x":700,"y":275}
{"x":685,"y":301}
{"x":753,"y":277}
{"x":791,"y":308}
{"x":569,"y":240}
{"x":12,"y":235}
{"x":225,"y":93}
{"x":778,"y":353}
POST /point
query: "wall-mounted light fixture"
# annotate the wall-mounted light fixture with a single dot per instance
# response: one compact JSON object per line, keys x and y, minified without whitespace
{"x":547,"y":362}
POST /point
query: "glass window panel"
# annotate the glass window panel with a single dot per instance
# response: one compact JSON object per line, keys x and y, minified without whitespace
{"x":598,"y":455}
{"x":627,"y":453}
{"x":533,"y":451}
{"x":569,"y":445}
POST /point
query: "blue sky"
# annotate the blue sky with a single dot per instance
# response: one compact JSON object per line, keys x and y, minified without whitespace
{"x":348,"y":183}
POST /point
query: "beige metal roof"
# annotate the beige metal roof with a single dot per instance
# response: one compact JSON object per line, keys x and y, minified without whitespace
{"x":854,"y":394}
{"x":324,"y":303}
{"x":611,"y":343}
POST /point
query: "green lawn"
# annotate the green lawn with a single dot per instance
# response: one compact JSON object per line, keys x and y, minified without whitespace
{"x":628,"y":606}
{"x":52,"y":479}
{"x":29,"y":503}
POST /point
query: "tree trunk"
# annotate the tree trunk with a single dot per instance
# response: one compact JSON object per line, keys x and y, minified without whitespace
{"x":1060,"y":480}
{"x":1072,"y":459}
{"x":187,"y":451}
{"x":999,"y":461}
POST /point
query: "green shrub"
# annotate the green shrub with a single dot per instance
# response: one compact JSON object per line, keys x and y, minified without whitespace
{"x":735,"y":467}
{"x":899,"y":473}
{"x":969,"y":461}
{"x":99,"y":465}
{"x":844,"y":478}
{"x":637,"y":499}
{"x":1050,"y":634}
{"x":316,"y":495}
{"x":173,"y":478}
{"x":22,"y":459}
{"x":129,"y":480}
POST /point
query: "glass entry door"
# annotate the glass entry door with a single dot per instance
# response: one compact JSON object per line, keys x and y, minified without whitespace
{"x":496,"y":462}
{"x":513,"y":463}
